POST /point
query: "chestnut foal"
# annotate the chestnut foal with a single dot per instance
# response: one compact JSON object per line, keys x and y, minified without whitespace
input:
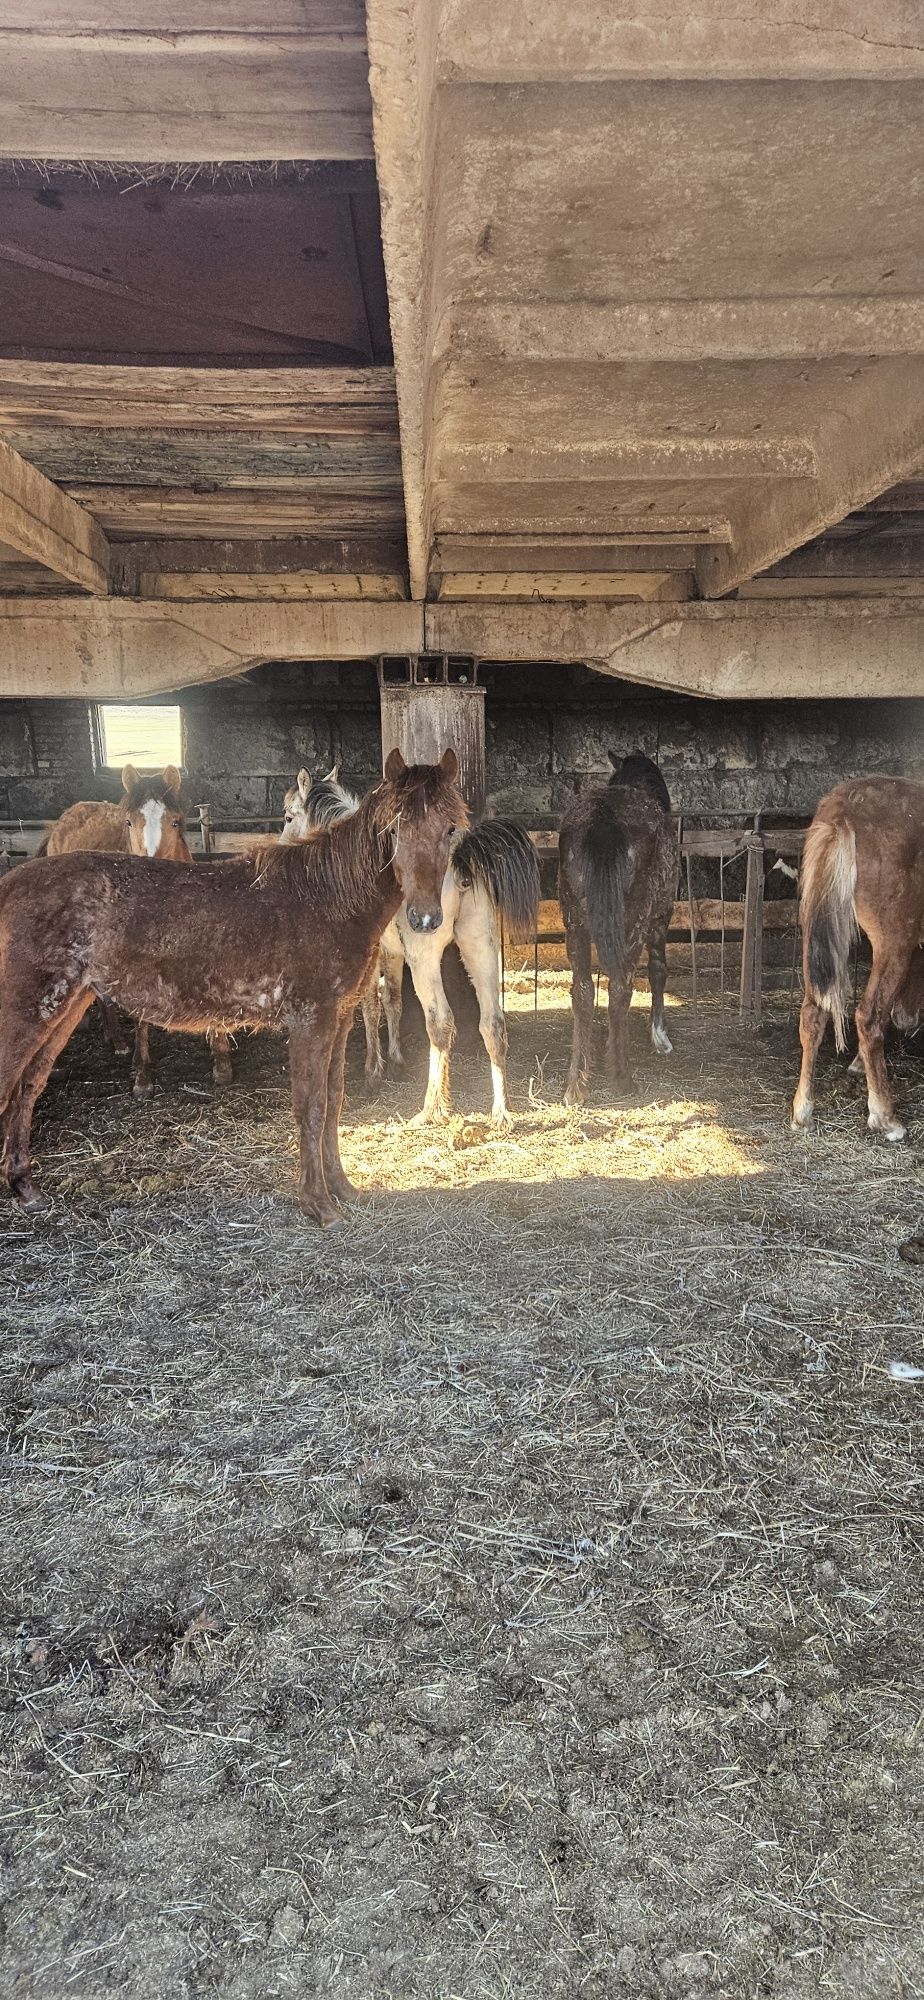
{"x":283,"y":937}
{"x":148,"y":820}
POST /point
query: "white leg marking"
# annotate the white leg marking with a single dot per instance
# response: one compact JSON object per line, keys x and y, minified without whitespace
{"x":661,"y":1041}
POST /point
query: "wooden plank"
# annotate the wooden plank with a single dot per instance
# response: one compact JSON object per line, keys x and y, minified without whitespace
{"x":487,"y":554}
{"x":707,"y":916}
{"x":45,"y":526}
{"x":257,"y":586}
{"x":651,"y":586}
{"x":157,"y":458}
{"x":187,"y":94}
{"x":133,"y":511}
{"x":162,"y":568}
{"x":82,"y":395}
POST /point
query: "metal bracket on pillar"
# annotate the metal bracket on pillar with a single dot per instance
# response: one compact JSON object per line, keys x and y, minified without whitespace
{"x":431,"y":702}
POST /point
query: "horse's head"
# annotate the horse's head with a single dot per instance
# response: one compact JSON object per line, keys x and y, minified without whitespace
{"x":423,"y":806}
{"x":639,"y":771}
{"x":153,"y":810}
{"x":313,"y":802}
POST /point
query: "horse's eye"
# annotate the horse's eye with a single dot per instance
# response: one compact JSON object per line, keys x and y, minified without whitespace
{"x":177,"y":823}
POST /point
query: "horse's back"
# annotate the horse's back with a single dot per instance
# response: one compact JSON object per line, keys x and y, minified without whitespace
{"x":92,"y":826}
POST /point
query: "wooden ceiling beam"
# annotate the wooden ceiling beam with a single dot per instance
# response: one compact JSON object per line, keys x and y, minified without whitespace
{"x":44,"y":525}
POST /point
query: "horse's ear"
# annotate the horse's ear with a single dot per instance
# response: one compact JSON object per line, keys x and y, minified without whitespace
{"x":129,"y":777}
{"x":615,"y":760}
{"x":395,"y":766}
{"x":333,"y":775}
{"x":449,"y":764}
{"x":171,"y":778}
{"x":303,"y":781}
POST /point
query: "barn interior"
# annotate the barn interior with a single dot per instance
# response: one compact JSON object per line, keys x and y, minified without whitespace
{"x":517,"y":1592}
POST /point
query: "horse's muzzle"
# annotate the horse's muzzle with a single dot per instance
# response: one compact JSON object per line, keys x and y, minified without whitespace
{"x":424,"y":920}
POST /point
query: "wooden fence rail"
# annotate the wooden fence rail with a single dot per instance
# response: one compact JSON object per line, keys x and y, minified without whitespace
{"x":695,"y":917}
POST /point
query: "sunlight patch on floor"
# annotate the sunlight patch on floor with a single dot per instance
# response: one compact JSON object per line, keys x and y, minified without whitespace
{"x":680,"y":1141}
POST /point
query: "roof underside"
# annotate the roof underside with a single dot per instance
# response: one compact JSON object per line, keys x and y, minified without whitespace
{"x":654,"y":287}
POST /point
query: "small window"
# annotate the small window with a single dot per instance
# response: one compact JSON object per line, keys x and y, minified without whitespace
{"x":130,"y":732}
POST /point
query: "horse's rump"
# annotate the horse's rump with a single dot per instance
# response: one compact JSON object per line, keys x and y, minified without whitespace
{"x":498,"y":857}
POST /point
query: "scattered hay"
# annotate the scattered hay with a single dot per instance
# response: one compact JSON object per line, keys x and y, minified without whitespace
{"x":517,"y":1594}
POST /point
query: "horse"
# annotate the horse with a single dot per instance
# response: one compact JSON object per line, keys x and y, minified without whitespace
{"x":282,"y":937}
{"x":618,"y":857}
{"x":862,"y":869}
{"x":148,"y":820}
{"x":493,"y":874}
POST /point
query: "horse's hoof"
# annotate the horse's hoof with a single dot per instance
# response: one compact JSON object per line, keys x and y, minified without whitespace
{"x":320,"y":1210}
{"x":26,"y":1194}
{"x":575,"y":1095}
{"x":142,"y":1088}
{"x":221,"y":1078}
{"x":434,"y":1115}
{"x":890,"y":1128}
{"x":661,"y":1043}
{"x":395,"y":1059}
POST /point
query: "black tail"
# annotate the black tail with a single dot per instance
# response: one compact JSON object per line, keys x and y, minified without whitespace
{"x":604,"y":859}
{"x":499,"y":857}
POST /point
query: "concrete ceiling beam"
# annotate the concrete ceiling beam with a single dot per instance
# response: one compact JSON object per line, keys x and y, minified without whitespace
{"x":875,"y":439}
{"x":522,"y":42}
{"x":402,"y":63}
{"x":687,"y":330}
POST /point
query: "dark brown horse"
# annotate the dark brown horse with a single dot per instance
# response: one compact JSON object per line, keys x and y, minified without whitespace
{"x":862,"y":868}
{"x":284,"y":937}
{"x":149,"y":819}
{"x":617,"y":859}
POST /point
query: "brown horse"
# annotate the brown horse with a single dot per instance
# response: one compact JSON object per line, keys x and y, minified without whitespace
{"x":617,"y":859}
{"x":862,"y":867}
{"x":283,"y":937}
{"x":148,"y":821}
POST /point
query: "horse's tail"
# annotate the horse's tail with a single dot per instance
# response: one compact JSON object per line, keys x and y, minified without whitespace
{"x":42,"y":847}
{"x":828,"y":914}
{"x":604,"y":859}
{"x":498,"y":856}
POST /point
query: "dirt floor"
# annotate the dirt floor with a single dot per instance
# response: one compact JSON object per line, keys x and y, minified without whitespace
{"x":518,"y":1592}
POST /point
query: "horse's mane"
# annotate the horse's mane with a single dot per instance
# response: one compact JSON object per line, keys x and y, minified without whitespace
{"x":152,"y":788}
{"x":328,"y":801}
{"x":341,"y":861}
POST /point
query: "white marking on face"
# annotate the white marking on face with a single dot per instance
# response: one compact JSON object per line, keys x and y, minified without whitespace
{"x":153,"y":815}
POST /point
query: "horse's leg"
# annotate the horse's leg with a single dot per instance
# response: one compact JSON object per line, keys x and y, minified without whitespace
{"x":619,"y":1002}
{"x":890,"y":969}
{"x":114,"y":1028}
{"x":424,"y":956}
{"x":16,"y":1123}
{"x":657,"y":979}
{"x":220,"y":1049}
{"x":813,"y":1021}
{"x":582,"y":1007}
{"x":310,"y":1051}
{"x":479,"y":947}
{"x":392,"y":961}
{"x":142,"y":1070}
{"x":372,"y":1015}
{"x":339,"y":1186}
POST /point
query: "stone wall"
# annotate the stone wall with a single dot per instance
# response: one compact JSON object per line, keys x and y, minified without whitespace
{"x":548,"y":732}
